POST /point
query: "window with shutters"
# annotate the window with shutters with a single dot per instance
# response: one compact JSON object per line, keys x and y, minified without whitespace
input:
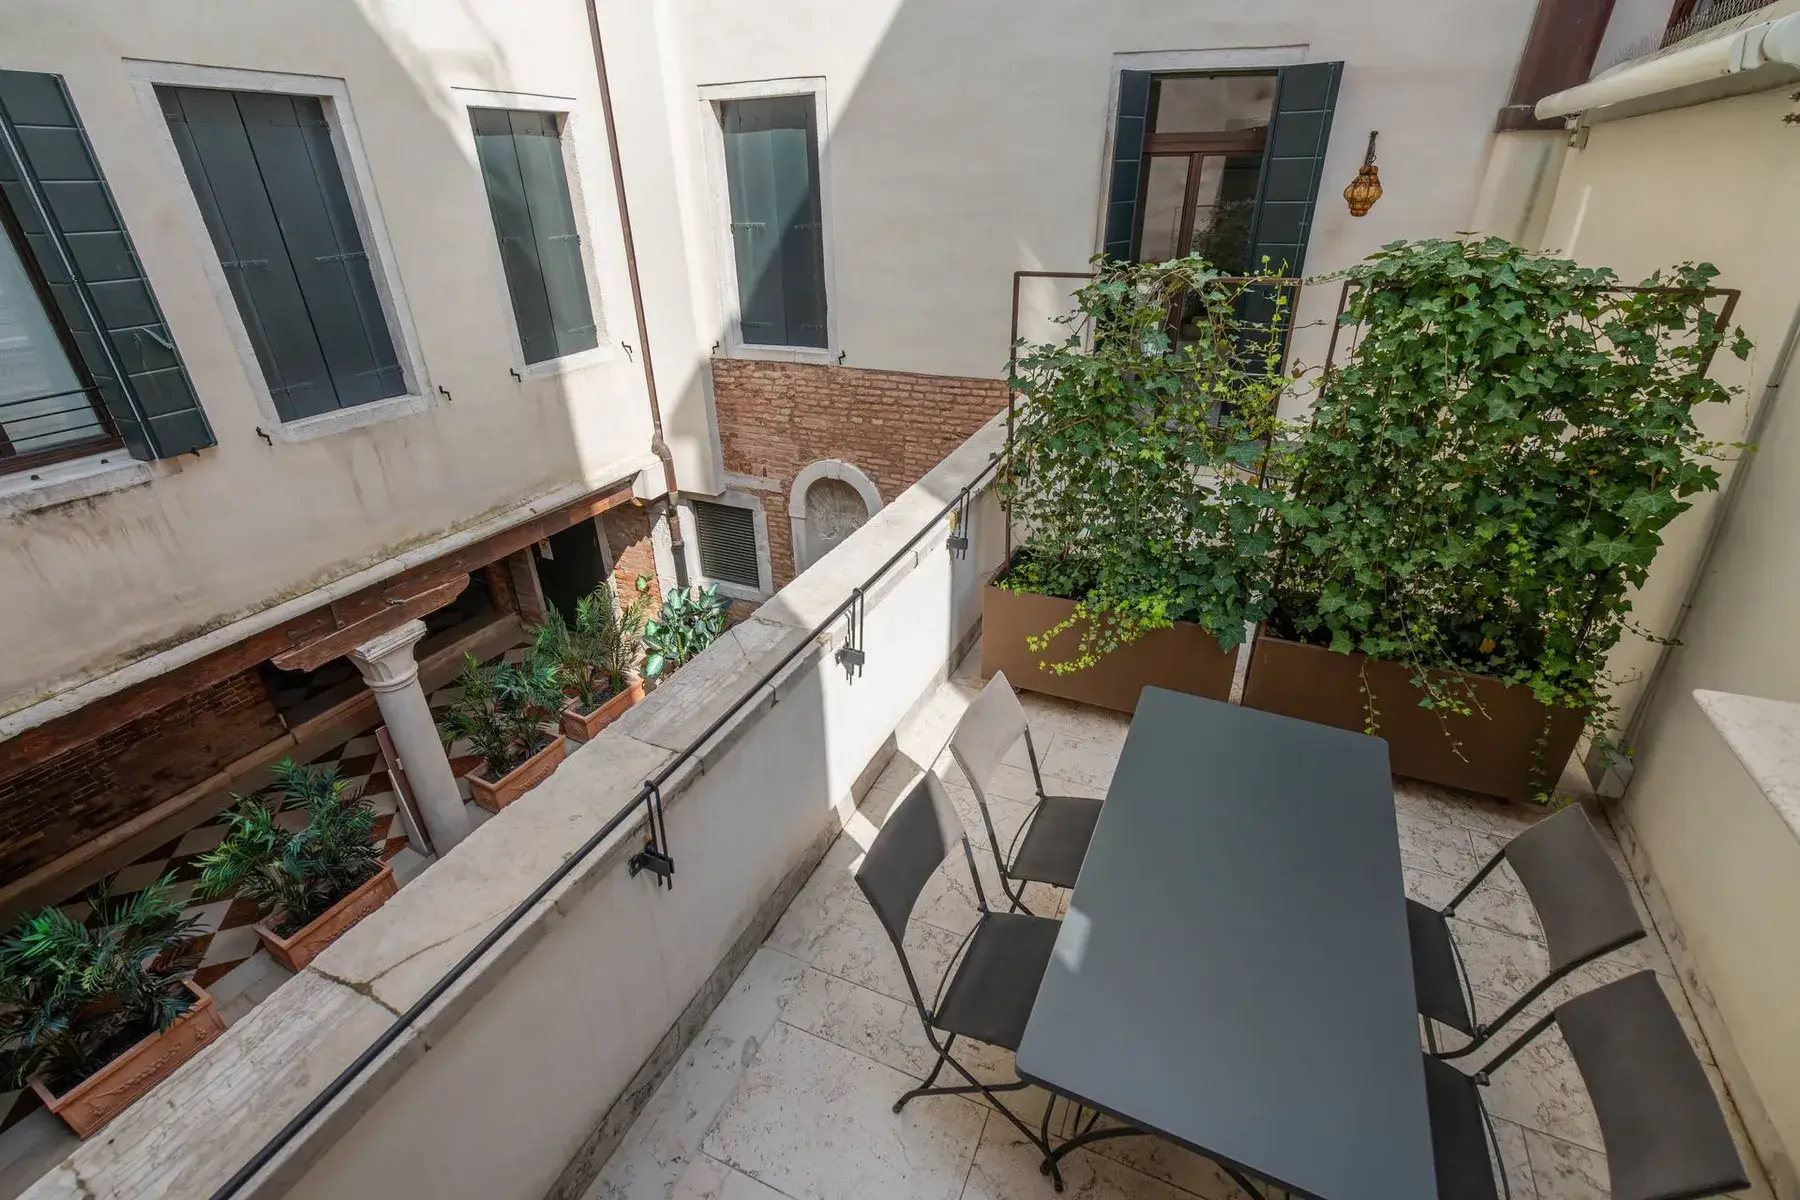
{"x":265,"y":173}
{"x":726,"y":538}
{"x":777,"y":226}
{"x":521,"y":156}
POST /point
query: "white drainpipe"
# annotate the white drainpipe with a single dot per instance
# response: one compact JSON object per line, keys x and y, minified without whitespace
{"x":1772,"y":43}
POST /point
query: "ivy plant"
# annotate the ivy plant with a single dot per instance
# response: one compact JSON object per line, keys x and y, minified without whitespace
{"x":1486,"y":480}
{"x":1139,"y":447}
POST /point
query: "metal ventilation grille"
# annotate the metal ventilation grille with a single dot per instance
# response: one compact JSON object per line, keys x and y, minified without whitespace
{"x":727,"y":538}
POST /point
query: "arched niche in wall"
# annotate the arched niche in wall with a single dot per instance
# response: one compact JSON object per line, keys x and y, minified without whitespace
{"x":829,"y":501}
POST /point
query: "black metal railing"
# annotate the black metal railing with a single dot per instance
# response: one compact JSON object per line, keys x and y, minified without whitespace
{"x":656,"y":856}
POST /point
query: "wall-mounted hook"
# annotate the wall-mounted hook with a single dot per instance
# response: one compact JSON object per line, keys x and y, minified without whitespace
{"x":630,"y":356}
{"x":514,"y":372}
{"x":715,"y":348}
{"x":444,"y":392}
{"x":261,"y":433}
{"x":841,"y":355}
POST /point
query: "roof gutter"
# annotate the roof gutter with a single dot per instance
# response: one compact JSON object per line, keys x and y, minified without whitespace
{"x":1771,"y":48}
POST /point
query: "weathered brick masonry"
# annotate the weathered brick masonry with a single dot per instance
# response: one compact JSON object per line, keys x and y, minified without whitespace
{"x":56,"y":805}
{"x":775,"y":419}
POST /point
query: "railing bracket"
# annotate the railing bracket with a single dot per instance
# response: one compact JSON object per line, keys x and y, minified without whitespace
{"x":958,"y":541}
{"x":654,"y":857}
{"x":850,"y":656}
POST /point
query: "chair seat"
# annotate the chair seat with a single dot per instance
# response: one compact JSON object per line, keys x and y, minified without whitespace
{"x":1459,"y":1144}
{"x":990,"y":997}
{"x":1435,"y":976}
{"x":1056,"y":841}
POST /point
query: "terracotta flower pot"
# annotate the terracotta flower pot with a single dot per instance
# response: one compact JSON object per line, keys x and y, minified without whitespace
{"x":90,"y":1104}
{"x":306,"y":943}
{"x":499,"y":793}
{"x":1184,"y":658}
{"x":1490,"y":751}
{"x":583,"y":726}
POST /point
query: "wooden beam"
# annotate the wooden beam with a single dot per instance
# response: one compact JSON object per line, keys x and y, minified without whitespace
{"x":310,"y":656}
{"x":113,"y":712}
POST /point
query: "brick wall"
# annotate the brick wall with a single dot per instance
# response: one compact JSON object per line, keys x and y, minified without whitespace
{"x":628,"y":539}
{"x":58,"y":804}
{"x":775,"y":419}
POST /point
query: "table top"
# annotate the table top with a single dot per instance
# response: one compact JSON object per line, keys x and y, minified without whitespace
{"x":1234,"y":972}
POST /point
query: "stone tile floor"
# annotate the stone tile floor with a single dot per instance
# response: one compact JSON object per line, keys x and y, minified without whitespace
{"x":787,"y":1092}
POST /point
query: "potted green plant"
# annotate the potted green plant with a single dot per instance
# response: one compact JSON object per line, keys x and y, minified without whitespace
{"x":92,"y":1016}
{"x":509,"y":712}
{"x":1480,"y":489}
{"x":310,"y":884}
{"x":598,"y":656}
{"x":1139,"y":447}
{"x":690,"y":620}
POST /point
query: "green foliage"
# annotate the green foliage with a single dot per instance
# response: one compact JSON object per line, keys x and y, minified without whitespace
{"x":297,"y":875}
{"x":73,"y":997}
{"x":599,"y":653}
{"x":689,"y":621}
{"x":506,"y":711}
{"x":1487,"y":478}
{"x":1139,"y":448}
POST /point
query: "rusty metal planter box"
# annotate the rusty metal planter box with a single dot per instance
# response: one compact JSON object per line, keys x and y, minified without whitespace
{"x":1496,"y":741}
{"x":1184,"y":658}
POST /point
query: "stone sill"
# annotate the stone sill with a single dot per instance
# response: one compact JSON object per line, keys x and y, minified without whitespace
{"x":77,"y":479}
{"x":1765,"y":736}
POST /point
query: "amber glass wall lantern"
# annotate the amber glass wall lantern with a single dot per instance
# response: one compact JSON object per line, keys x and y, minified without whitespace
{"x":1365,"y":189}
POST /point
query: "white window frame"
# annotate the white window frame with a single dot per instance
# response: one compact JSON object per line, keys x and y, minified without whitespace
{"x":690,"y":540}
{"x":347,"y":144}
{"x":719,"y":189}
{"x":569,"y":124}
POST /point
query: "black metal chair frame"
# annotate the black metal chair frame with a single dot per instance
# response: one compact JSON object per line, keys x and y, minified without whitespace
{"x":1008,"y":881}
{"x":1485,"y":1031}
{"x":1089,"y":1135}
{"x":974,"y":1085}
{"x":1483,"y":1077}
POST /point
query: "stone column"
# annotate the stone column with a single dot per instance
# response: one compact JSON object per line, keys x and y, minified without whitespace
{"x":392,"y":673}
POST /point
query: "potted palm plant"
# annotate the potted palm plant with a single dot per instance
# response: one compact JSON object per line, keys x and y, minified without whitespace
{"x":690,"y":620}
{"x":313,"y":884}
{"x":509,"y":713}
{"x":598,"y":656}
{"x":94,"y":1016}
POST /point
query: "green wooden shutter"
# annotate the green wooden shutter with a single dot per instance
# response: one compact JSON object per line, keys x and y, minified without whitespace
{"x":772,"y":172}
{"x":272,"y":195}
{"x":534,"y":219}
{"x":74,"y":232}
{"x":1126,"y":182}
{"x":1293,"y":164}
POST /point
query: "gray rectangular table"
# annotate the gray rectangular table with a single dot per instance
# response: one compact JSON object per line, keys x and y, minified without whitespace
{"x":1233,"y":972}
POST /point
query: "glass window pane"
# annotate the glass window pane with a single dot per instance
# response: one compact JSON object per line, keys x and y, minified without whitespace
{"x":42,"y":405}
{"x":1213,"y":103}
{"x":1159,"y":239}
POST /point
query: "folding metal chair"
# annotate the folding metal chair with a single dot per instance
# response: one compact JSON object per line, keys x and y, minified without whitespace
{"x":988,"y":988}
{"x":1664,"y":1134}
{"x":1582,"y":903}
{"x":1050,"y":845}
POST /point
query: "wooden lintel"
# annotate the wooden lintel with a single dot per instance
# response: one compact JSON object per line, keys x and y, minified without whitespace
{"x":105,"y":715}
{"x":312,"y":655}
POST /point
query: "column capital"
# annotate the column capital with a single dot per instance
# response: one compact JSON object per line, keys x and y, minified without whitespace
{"x":387,"y":662}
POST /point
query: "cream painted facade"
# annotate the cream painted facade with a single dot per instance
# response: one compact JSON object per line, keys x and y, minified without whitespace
{"x":90,"y":585}
{"x":1716,"y":182}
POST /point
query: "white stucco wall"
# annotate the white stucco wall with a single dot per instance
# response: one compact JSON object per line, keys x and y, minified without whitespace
{"x":1729,"y":867}
{"x":965,"y":138}
{"x":92,"y":584}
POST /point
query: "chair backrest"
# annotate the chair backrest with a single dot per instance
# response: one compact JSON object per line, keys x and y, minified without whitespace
{"x":1581,"y":900}
{"x":993,"y":723}
{"x":919,"y":834}
{"x":1665,"y":1136}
